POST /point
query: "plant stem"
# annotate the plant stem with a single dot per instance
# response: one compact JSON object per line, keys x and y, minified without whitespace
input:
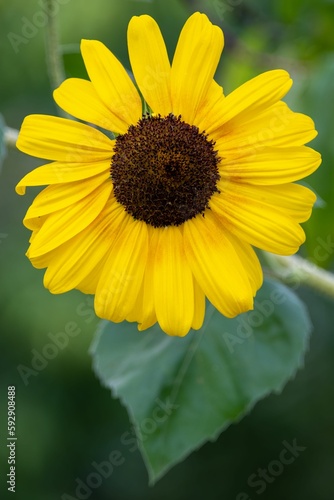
{"x":54,"y":59}
{"x":297,"y":271}
{"x":11,"y":135}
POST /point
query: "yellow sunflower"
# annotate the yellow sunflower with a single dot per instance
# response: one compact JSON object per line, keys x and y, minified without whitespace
{"x":166,"y":211}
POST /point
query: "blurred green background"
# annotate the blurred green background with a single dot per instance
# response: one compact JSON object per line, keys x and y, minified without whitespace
{"x":65,"y":419}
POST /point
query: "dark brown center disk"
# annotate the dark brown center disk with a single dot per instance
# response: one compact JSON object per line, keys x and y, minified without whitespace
{"x":164,"y":171}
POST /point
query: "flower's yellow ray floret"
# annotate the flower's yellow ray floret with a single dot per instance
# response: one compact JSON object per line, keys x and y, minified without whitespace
{"x":167,"y":214}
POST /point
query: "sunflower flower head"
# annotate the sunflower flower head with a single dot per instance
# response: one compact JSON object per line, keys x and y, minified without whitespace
{"x":168,"y":212}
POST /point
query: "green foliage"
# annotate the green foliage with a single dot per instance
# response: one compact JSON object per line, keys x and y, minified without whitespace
{"x":297,"y":36}
{"x":73,"y":62}
{"x":2,"y":140}
{"x":317,"y":93}
{"x":181,"y":392}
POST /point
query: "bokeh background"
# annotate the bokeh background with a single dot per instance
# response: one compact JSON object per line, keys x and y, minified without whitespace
{"x":65,"y":419}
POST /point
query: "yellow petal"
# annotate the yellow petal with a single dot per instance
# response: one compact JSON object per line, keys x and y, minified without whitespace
{"x":292,"y":199}
{"x":199,"y":307}
{"x":194,"y":64}
{"x":55,"y":138}
{"x":249,"y":260}
{"x":247,"y":100}
{"x":271,"y":165}
{"x":147,"y":323}
{"x":136,"y":314}
{"x":63,"y":225}
{"x":56,"y":173}
{"x":59,"y":196}
{"x":276,"y":126}
{"x":256,"y":222}
{"x":214,"y":94}
{"x":150,"y":63}
{"x":89,"y":283}
{"x":79,"y":98}
{"x":112,"y":84}
{"x":122,"y":275}
{"x":217,"y":266}
{"x":35,"y":225}
{"x":173,"y":283}
{"x":42,"y":261}
{"x":144,"y":308}
{"x":71,"y":263}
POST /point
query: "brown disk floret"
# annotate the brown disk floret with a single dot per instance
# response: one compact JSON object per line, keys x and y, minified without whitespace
{"x":164,"y":171}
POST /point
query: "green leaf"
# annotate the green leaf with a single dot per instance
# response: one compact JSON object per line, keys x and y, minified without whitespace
{"x":2,"y":140}
{"x":182,"y":392}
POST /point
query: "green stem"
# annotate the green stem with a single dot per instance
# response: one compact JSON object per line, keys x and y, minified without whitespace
{"x":11,"y":135}
{"x":54,"y":59}
{"x":297,"y":271}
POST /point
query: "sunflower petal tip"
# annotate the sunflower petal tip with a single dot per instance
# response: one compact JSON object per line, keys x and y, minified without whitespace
{"x":198,"y":15}
{"x":142,"y":17}
{"x":173,"y":332}
{"x":140,"y":24}
{"x":87,"y":43}
{"x":19,"y":189}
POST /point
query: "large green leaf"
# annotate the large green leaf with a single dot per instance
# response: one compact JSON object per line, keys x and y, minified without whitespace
{"x":182,"y":392}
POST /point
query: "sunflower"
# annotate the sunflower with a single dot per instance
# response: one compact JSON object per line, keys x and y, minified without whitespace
{"x":157,"y":200}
